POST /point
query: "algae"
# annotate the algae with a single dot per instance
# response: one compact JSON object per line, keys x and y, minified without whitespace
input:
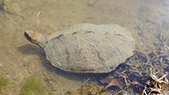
{"x":34,"y":86}
{"x":3,"y":83}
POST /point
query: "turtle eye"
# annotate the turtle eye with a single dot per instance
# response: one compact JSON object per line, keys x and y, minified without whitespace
{"x":27,"y":36}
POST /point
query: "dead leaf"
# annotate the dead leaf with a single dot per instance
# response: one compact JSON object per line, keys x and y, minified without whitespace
{"x":115,"y":82}
{"x":105,"y":80}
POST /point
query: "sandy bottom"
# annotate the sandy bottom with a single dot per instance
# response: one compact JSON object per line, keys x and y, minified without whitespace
{"x":19,"y":59}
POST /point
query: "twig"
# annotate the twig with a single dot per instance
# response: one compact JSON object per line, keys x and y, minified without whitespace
{"x":38,"y":14}
{"x":82,"y":84}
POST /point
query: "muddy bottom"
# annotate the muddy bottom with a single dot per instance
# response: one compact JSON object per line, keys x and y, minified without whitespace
{"x":20,"y":60}
{"x":91,"y":89}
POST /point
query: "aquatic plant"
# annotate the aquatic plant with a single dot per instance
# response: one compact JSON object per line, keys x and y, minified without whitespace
{"x":156,"y":85}
{"x":34,"y":86}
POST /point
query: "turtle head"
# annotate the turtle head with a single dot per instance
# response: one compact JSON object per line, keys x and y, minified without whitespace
{"x":35,"y":38}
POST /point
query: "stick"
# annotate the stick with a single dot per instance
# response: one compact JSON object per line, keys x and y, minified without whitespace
{"x":38,"y":14}
{"x":82,"y":84}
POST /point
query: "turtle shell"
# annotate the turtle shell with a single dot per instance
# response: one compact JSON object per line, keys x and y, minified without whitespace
{"x":90,"y":48}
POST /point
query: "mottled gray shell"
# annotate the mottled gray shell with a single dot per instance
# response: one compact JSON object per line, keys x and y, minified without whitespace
{"x":90,"y":48}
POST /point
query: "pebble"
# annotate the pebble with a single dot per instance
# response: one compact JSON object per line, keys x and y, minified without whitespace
{"x":136,"y":75}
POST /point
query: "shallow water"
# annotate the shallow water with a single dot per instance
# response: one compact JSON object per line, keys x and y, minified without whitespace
{"x":148,"y":21}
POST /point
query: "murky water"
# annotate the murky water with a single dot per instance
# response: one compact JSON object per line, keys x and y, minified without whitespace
{"x":148,"y":21}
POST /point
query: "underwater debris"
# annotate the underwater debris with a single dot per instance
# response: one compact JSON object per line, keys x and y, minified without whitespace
{"x":155,"y":85}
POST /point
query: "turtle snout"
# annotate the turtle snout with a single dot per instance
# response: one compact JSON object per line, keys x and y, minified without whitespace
{"x":27,"y":36}
{"x":35,"y":38}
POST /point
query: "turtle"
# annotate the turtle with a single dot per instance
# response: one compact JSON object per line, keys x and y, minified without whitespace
{"x":86,"y":48}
